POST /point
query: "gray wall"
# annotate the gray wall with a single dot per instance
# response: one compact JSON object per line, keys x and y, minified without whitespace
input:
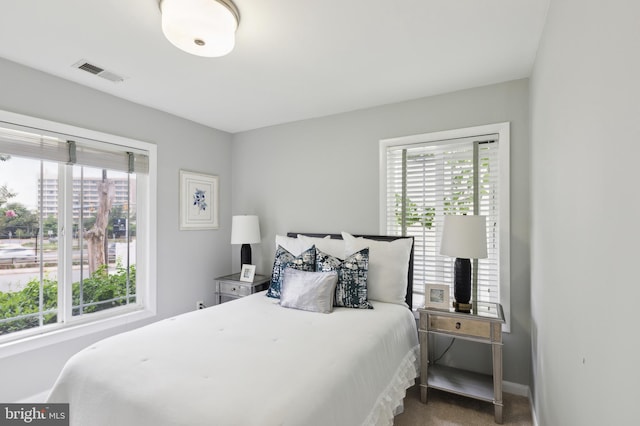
{"x":585,"y":108}
{"x":187,"y":260}
{"x":322,"y":175}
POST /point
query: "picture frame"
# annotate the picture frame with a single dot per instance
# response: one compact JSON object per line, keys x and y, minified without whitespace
{"x":199,"y":195}
{"x":247,"y":273}
{"x":436,"y":296}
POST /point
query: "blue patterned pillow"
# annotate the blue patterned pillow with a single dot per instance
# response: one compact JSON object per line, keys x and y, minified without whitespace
{"x":351,"y":291}
{"x":306,"y":261}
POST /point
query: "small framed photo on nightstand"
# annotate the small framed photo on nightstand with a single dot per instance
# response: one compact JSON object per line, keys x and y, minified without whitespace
{"x":436,"y":296}
{"x":247,"y":273}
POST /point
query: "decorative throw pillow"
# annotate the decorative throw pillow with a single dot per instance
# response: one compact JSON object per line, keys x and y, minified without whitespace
{"x":295,"y":246}
{"x":305,"y":261}
{"x":309,"y":291}
{"x":334,"y":247}
{"x":388,"y":266}
{"x":351,"y":291}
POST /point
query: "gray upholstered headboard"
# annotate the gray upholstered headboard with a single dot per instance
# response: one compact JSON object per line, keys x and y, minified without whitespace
{"x":409,"y":296}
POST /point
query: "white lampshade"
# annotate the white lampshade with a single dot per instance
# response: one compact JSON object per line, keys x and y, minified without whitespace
{"x":200,"y":27}
{"x":245,"y":229}
{"x":464,"y":237}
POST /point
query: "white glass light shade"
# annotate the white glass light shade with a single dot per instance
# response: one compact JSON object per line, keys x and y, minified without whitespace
{"x":200,"y":27}
{"x":464,"y":237}
{"x":245,"y":230}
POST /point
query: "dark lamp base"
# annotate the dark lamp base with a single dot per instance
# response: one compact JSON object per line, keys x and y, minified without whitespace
{"x":462,"y":307}
{"x":245,"y":255}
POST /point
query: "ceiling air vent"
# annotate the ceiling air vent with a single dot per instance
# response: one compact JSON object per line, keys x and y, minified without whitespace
{"x":100,"y":72}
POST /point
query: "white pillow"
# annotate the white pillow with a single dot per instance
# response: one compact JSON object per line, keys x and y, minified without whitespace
{"x":295,"y":246}
{"x":334,"y":247}
{"x":308,"y":291}
{"x":388,"y":266}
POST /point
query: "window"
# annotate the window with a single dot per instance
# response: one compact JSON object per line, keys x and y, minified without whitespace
{"x":425,"y":177}
{"x":76,"y":222}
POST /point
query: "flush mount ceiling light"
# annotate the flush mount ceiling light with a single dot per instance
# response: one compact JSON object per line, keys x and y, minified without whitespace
{"x":200,"y":27}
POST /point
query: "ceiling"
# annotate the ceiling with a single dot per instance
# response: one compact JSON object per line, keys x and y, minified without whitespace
{"x":294,"y":59}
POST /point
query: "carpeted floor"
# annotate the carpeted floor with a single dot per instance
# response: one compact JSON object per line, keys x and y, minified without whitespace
{"x":447,"y":409}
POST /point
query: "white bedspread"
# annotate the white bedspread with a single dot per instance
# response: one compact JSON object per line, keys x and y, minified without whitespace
{"x":247,"y":362}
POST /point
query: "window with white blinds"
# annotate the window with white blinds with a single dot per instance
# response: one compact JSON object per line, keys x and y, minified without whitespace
{"x":426,"y":177}
{"x":77,"y":220}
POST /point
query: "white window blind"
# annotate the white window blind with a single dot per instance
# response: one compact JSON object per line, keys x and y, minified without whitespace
{"x":35,"y":143}
{"x":426,"y":180}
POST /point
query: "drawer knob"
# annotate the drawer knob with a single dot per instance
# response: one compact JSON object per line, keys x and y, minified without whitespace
{"x":458,"y":325}
{"x":233,"y":289}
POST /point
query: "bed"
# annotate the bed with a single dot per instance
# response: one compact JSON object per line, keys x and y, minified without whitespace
{"x":252,"y":361}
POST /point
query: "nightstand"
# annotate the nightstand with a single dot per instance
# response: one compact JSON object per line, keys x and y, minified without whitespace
{"x":483,"y":326}
{"x":230,"y":286}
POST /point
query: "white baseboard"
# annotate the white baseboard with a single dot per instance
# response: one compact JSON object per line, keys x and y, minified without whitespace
{"x":516,"y":388}
{"x":521,"y":390}
{"x":534,"y":419}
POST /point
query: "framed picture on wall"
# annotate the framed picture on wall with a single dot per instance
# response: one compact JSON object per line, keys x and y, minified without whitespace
{"x":198,"y":201}
{"x":436,"y":296}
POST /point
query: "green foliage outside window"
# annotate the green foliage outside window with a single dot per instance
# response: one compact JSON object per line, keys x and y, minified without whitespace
{"x":17,"y":219}
{"x":459,"y":201}
{"x":99,"y":287}
{"x":415,"y":215}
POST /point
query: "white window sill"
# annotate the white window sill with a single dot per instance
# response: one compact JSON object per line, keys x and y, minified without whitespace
{"x":61,"y":333}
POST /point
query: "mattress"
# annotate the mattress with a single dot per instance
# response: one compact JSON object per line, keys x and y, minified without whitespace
{"x":247,"y":362}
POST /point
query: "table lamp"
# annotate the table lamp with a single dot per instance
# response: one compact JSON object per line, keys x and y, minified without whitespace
{"x":465,"y":238}
{"x":245,"y":230}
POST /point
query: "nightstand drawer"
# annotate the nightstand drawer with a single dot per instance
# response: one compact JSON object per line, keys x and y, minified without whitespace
{"x":231,"y":287}
{"x":467,"y":327}
{"x":234,"y":289}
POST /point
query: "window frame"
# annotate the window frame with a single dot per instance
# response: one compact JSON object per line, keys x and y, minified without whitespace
{"x":22,"y":341}
{"x":503,"y":131}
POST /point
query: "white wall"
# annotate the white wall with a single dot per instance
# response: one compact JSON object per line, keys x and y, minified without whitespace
{"x":585,"y":104}
{"x":187,"y":260}
{"x":322,"y":175}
